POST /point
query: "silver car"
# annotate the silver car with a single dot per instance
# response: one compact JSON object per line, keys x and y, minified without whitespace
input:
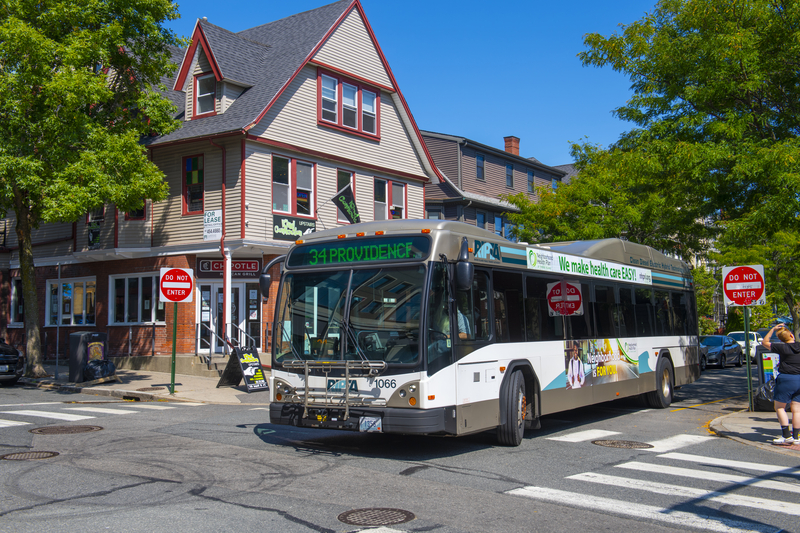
{"x":720,"y":350}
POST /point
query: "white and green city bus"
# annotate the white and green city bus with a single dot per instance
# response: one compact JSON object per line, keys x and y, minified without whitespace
{"x":440,"y":328}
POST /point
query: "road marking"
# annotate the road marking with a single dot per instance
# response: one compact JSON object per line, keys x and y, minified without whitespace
{"x":713,"y":461}
{"x":711,"y":476}
{"x":3,"y":406}
{"x":581,"y":436}
{"x":48,"y":414}
{"x":690,"y":493}
{"x":9,"y":423}
{"x":638,"y":510}
{"x":155,"y":406}
{"x":673,"y":443}
{"x":190,"y":404}
{"x":102,"y":410}
{"x":706,"y":403}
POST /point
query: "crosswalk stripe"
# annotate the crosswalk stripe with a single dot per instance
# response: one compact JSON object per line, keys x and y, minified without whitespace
{"x":673,"y":443}
{"x":714,"y":461}
{"x":48,"y":414}
{"x":638,"y":510}
{"x":190,"y":404}
{"x":711,"y":476}
{"x":581,"y":436}
{"x":105,"y":410}
{"x":9,"y":423}
{"x":691,"y":493}
{"x":154,"y":406}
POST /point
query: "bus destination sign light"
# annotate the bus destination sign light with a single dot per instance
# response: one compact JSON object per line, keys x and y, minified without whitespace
{"x":744,"y":285}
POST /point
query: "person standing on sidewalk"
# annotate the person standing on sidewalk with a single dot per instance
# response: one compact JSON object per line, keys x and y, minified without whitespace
{"x":787,"y":384}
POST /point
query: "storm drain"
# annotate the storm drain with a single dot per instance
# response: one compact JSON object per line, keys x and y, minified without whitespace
{"x":622,"y":444}
{"x":64,"y":430}
{"x":27,"y":456}
{"x":375,"y":517}
{"x":149,"y":389}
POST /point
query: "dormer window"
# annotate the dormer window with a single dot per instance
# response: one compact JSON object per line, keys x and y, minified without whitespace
{"x":205,"y":86}
{"x":348,"y":105}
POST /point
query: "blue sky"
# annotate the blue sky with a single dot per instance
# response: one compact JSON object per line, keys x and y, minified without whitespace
{"x":480,"y":69}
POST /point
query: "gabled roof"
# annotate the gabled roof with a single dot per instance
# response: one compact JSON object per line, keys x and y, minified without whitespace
{"x":265,"y":57}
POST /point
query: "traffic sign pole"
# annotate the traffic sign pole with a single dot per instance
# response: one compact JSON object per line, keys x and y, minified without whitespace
{"x":747,"y":355}
{"x":174,"y":342}
{"x":175,"y":285}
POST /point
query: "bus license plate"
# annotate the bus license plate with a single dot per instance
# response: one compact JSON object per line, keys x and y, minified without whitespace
{"x":370,"y":424}
{"x":3,"y":368}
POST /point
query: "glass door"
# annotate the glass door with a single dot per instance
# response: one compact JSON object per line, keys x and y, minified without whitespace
{"x":237,"y":315}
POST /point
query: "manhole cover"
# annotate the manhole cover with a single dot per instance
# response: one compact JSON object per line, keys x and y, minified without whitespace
{"x":26,"y":456}
{"x":622,"y":444}
{"x":148,"y":389}
{"x":376,"y":517}
{"x":64,"y":430}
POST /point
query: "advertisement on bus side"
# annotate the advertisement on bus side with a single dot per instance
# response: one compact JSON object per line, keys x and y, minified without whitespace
{"x":598,"y":361}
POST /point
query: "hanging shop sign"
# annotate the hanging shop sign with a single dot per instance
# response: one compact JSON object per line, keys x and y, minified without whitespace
{"x":291,"y":228}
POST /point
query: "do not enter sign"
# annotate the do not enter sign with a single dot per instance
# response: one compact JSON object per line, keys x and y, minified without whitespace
{"x":564,"y":298}
{"x":176,"y":284}
{"x":744,"y":285}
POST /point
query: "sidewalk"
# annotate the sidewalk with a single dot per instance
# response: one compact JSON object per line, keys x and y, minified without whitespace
{"x":755,"y":429}
{"x":150,"y":386}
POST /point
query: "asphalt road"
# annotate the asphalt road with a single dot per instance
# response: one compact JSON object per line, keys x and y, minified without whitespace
{"x":165,"y":466}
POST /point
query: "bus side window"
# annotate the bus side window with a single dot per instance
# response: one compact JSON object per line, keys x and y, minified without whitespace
{"x":627,"y":326}
{"x":509,"y":315}
{"x":605,"y":311}
{"x":678,"y":313}
{"x":581,"y":326}
{"x":539,"y":324}
{"x":644,"y":313}
{"x":691,"y":315}
{"x":664,"y":317}
{"x":480,"y":306}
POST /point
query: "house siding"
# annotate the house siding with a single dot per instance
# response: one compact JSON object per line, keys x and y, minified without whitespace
{"x":293,"y":120}
{"x":445,"y":155}
{"x":352,"y":46}
{"x":134,"y":233}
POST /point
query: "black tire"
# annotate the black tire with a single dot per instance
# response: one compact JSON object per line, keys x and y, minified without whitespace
{"x":665,"y":379}
{"x":703,"y":363}
{"x":739,"y":360}
{"x":722,"y":361}
{"x":512,"y":427}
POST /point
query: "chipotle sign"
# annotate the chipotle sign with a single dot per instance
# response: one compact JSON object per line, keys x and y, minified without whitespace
{"x":240,"y":268}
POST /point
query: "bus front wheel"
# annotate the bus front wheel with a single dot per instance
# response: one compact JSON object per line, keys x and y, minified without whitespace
{"x":512,"y":429}
{"x":662,"y":396}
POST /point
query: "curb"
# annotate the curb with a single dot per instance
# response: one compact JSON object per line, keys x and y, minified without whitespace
{"x":716,"y":426}
{"x":114,"y":393}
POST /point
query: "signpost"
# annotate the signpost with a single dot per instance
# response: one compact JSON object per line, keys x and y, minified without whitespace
{"x":175,"y":285}
{"x":744,"y":286}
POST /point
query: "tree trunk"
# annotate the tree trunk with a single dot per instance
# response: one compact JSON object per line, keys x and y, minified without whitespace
{"x":33,"y":343}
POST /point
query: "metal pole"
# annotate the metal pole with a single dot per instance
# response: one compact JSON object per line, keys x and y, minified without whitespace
{"x":747,"y":355}
{"x":174,"y":340}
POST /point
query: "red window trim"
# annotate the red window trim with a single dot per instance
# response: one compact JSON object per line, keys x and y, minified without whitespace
{"x":184,"y":200}
{"x":194,"y":96}
{"x":389,"y":197}
{"x":293,"y":186}
{"x":352,"y":186}
{"x":128,"y":217}
{"x":360,"y":86}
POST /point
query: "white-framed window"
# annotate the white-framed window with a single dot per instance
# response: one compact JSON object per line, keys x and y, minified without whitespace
{"x":343,"y":177}
{"x":390,"y":199}
{"x":330,"y":93}
{"x":380,"y":199}
{"x":205,"y":94}
{"x":435,"y":214}
{"x":17,"y":315}
{"x":368,"y":112}
{"x":71,"y":302}
{"x":293,"y":186}
{"x":531,"y":185}
{"x":348,"y":104}
{"x":134,"y":299}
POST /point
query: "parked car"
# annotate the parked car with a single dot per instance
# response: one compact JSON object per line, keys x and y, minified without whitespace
{"x":755,"y":340}
{"x":12,"y":364}
{"x":720,"y":350}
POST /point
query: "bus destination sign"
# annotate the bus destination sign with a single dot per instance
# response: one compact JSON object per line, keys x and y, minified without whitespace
{"x":360,"y":250}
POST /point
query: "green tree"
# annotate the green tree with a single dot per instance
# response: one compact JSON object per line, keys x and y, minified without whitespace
{"x":80,"y":83}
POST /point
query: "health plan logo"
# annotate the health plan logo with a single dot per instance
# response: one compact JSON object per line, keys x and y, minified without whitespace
{"x":540,"y":260}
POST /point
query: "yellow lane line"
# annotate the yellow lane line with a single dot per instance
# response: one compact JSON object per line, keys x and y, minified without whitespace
{"x":707,"y":403}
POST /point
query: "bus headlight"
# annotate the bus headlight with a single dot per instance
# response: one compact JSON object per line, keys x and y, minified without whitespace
{"x":406,"y":396}
{"x":283,"y":391}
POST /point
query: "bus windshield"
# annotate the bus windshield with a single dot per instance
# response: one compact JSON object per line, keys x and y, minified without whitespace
{"x":369,"y":314}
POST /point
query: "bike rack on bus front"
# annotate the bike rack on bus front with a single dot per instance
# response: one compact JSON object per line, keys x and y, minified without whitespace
{"x":369,"y":368}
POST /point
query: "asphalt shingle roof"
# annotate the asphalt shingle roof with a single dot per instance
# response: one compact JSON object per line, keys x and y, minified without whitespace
{"x":265,"y":57}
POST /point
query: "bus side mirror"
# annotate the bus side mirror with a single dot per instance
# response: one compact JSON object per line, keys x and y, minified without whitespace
{"x":464,"y":274}
{"x":264,"y":281}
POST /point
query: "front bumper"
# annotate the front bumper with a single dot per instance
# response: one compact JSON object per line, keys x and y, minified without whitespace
{"x":393,"y":420}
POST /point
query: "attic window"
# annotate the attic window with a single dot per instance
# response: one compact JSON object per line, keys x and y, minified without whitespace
{"x":348,"y":105}
{"x":206,"y":94}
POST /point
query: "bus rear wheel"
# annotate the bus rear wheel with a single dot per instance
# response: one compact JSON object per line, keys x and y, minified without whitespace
{"x":512,"y":429}
{"x":662,"y":396}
